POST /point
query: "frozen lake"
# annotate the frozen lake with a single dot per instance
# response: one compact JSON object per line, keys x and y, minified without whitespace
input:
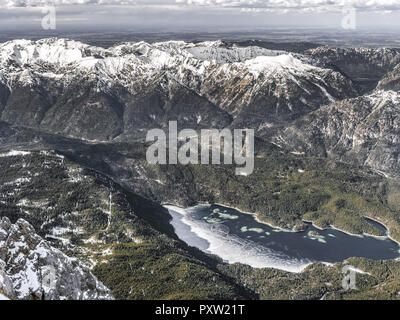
{"x":239,"y":237}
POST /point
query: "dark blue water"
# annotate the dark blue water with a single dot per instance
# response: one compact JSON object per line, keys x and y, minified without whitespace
{"x":326,"y":245}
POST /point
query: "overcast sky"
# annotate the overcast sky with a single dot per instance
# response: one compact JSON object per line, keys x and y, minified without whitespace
{"x":192,"y":14}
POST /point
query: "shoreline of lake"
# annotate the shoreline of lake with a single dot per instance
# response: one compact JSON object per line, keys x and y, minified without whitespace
{"x":314,"y":225}
{"x":233,"y":251}
{"x":287,"y":253}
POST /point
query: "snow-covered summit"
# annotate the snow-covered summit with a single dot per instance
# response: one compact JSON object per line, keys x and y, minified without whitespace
{"x":61,"y":53}
{"x":24,"y":60}
{"x":51,"y":50}
{"x":270,"y":64}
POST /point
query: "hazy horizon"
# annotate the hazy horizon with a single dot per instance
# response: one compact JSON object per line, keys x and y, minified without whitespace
{"x":200,"y":14}
{"x":338,"y":22}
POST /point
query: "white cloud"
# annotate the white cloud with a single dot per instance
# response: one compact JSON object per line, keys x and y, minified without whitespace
{"x":298,"y":5}
{"x":209,"y":15}
{"x":243,"y":5}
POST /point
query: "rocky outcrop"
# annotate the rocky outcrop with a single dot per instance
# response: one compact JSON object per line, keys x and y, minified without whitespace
{"x":391,"y":81}
{"x":364,"y":131}
{"x":30,"y":268}
{"x":366,"y":66}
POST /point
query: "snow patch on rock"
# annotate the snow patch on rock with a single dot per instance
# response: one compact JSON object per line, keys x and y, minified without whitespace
{"x":23,"y":257}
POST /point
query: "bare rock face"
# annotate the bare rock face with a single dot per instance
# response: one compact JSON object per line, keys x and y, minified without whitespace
{"x":30,"y":268}
{"x":366,"y":66}
{"x":391,"y":81}
{"x":363,"y":131}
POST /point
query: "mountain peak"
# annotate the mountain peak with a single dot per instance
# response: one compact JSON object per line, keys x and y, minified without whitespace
{"x":24,"y":254}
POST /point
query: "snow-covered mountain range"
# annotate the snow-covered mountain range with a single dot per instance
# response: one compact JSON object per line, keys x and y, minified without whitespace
{"x":70,"y":88}
{"x":138,"y":85}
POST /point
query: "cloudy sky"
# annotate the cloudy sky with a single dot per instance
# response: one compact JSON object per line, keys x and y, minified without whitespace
{"x":192,"y":14}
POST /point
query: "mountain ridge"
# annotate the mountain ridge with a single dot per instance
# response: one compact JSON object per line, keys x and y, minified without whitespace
{"x":134,"y":81}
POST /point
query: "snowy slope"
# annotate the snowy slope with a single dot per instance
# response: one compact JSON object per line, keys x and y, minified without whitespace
{"x":364,"y":130}
{"x":3,"y":297}
{"x":23,"y":257}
